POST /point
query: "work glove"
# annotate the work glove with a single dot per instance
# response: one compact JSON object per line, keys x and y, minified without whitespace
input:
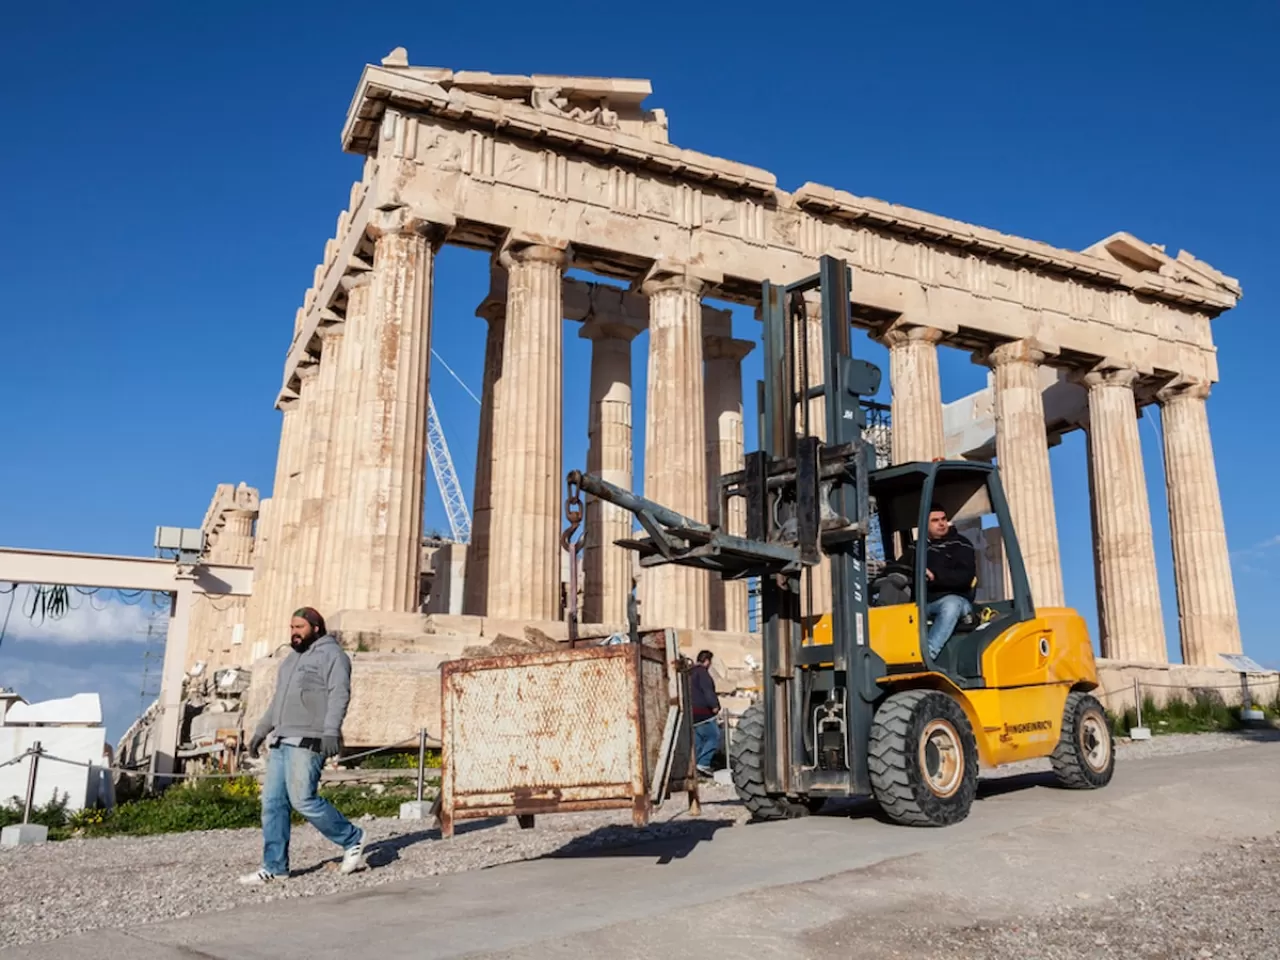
{"x":255,"y":744}
{"x":330,"y":746}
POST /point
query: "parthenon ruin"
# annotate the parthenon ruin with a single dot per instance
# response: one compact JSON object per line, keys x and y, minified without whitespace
{"x":550,"y":173}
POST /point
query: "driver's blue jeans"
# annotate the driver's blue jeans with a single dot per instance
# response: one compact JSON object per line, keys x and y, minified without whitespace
{"x":946,"y":612}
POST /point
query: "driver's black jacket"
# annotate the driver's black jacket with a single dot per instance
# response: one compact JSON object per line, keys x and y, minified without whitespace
{"x":954,"y":565}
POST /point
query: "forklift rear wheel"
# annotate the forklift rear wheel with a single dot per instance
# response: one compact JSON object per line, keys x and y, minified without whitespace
{"x":746,"y":762}
{"x":1085,"y":756}
{"x":923,"y":759}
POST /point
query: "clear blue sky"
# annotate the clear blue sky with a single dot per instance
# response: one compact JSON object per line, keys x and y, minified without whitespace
{"x":172,"y":175}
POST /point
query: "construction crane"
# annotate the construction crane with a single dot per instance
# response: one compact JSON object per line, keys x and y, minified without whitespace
{"x":455,"y":504}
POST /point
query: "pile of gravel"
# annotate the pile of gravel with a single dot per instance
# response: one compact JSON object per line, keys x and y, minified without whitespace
{"x":78,"y":885}
{"x":1225,"y":905}
{"x":73,"y":886}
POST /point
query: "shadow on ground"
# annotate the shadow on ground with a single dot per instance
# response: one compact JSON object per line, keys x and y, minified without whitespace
{"x":628,"y":841}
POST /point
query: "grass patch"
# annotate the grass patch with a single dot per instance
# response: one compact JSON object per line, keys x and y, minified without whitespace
{"x":399,"y":760}
{"x":203,"y":805}
{"x":1203,"y":713}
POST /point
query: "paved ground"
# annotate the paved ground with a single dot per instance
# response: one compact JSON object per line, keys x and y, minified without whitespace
{"x":1177,"y":858}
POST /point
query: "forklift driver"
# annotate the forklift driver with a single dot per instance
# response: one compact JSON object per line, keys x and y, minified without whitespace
{"x":951,"y":569}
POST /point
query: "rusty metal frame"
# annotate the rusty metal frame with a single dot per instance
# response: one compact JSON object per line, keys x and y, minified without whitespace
{"x":641,"y":791}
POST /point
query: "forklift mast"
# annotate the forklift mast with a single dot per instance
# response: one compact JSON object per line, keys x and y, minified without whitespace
{"x":806,"y":499}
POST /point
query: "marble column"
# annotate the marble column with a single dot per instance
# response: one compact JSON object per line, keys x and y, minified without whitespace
{"x":385,"y":520}
{"x":1023,"y":458}
{"x":1129,"y":614}
{"x":675,"y":456}
{"x":726,"y":599}
{"x":607,"y":567}
{"x":335,"y":550}
{"x":817,"y":585}
{"x":528,"y":481}
{"x":263,"y":543}
{"x":285,"y":595}
{"x":234,"y":546}
{"x":1207,"y":620}
{"x":916,"y":415}
{"x":317,"y":477}
{"x":476,"y":581}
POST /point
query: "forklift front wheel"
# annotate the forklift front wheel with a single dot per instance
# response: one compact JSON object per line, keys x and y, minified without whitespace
{"x":746,"y":762}
{"x":923,"y":759}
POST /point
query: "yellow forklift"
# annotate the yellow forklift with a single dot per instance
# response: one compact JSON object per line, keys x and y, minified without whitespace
{"x":852,"y":703}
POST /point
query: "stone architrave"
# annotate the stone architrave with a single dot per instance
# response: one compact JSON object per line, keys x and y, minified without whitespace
{"x":1023,"y":458}
{"x":527,"y":473}
{"x":320,"y":450}
{"x":385,"y":520}
{"x":1207,"y":619}
{"x":606,"y":566}
{"x":289,"y":504}
{"x":476,"y":581}
{"x":1129,"y":614}
{"x":817,"y":585}
{"x":916,"y":416}
{"x":675,"y":456}
{"x":335,"y":550}
{"x":727,"y":599}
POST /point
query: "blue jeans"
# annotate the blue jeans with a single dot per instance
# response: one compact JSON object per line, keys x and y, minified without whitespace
{"x":706,"y":741}
{"x":293,"y":774}
{"x":946,"y":611}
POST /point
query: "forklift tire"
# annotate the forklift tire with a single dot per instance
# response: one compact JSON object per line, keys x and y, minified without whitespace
{"x":1085,"y":757}
{"x":746,"y":763}
{"x":923,"y":759}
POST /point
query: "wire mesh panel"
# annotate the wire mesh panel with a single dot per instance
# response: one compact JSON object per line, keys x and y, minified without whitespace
{"x":574,"y":729}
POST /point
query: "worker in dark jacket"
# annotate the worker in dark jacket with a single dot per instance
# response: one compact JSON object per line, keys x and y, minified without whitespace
{"x":706,"y":713}
{"x":303,"y":728}
{"x":951,"y":572}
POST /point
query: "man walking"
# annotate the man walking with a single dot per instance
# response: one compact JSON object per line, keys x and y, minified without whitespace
{"x":706,"y":710}
{"x":304,"y":723}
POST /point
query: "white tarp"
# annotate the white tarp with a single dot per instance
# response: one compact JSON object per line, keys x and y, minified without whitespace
{"x":81,"y":708}
{"x":83,"y":745}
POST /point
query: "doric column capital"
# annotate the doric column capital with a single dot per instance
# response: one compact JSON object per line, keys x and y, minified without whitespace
{"x":1184,"y":388}
{"x":329,"y":334}
{"x":670,"y":282}
{"x":726,"y":348}
{"x":608,"y":328}
{"x":307,"y":372}
{"x":391,"y":221}
{"x":1106,"y":377}
{"x":669,"y":275}
{"x":900,"y":334}
{"x":1017,"y":351}
{"x":521,"y":251}
{"x":352,"y":281}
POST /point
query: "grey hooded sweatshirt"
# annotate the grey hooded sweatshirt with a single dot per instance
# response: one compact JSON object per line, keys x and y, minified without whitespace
{"x":312,"y":692}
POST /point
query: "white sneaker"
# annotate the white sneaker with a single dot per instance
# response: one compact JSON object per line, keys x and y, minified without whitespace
{"x":353,"y":856}
{"x":260,"y":878}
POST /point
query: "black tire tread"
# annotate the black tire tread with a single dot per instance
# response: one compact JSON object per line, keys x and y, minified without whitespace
{"x":746,"y":764}
{"x":895,"y":777}
{"x":1068,"y":762}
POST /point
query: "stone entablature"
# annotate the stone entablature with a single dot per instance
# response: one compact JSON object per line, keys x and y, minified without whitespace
{"x":472,"y":153}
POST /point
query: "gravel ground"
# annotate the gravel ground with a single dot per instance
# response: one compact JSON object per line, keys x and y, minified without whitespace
{"x":1225,"y":905}
{"x":79,"y":885}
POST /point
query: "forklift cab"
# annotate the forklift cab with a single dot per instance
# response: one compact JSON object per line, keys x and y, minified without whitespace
{"x":973,"y":499}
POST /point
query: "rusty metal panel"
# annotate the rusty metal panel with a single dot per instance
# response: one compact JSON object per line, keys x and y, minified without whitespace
{"x":579,"y":728}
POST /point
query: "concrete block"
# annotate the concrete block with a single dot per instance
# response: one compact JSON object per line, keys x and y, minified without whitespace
{"x":416,"y":810}
{"x":23,"y":834}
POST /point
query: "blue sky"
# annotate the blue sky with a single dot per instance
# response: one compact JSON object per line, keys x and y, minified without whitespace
{"x":172,"y":175}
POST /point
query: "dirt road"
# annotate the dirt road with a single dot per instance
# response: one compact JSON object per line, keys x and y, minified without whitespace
{"x":1177,"y":858}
